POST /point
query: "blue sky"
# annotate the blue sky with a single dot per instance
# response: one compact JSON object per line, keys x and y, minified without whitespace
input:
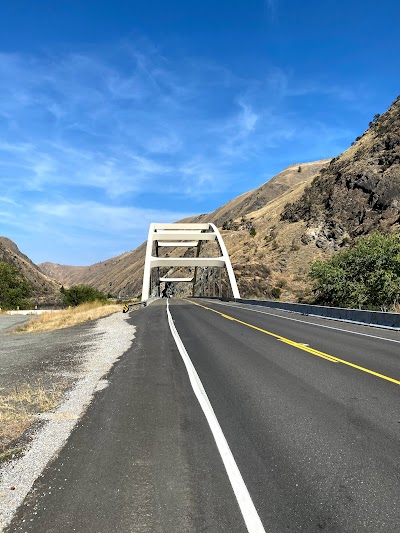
{"x":117,"y":114}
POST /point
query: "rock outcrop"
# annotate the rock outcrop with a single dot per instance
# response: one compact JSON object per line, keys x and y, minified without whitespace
{"x":274,"y":232}
{"x":359,"y":192}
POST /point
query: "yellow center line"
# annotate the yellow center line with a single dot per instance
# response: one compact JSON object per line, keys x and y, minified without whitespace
{"x":302,"y":347}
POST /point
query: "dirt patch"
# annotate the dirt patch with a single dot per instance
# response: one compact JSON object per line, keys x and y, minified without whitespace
{"x":35,"y":372}
{"x":18,"y":409}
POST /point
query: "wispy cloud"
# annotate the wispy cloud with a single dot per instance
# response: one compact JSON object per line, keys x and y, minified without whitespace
{"x":272,"y":6}
{"x":115,"y":135}
{"x":109,"y":219}
{"x":9,"y":201}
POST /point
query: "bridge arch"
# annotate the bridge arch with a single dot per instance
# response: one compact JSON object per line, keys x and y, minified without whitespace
{"x":184,"y":235}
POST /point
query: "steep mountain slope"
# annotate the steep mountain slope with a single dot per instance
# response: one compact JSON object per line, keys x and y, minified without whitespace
{"x":257,"y":198}
{"x":359,"y":191}
{"x":46,"y":290}
{"x":274,"y":233}
{"x":122,"y":275}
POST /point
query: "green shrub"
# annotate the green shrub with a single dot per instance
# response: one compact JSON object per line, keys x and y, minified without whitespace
{"x":15,"y":289}
{"x":365,"y":275}
{"x":252,"y":231}
{"x":79,"y":294}
{"x":276,"y":293}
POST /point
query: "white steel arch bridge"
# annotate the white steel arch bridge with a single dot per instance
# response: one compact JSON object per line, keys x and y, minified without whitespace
{"x":183,"y":235}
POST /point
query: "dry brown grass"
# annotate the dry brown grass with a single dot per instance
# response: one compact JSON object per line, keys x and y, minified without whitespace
{"x":69,"y":317}
{"x":276,"y":245}
{"x":18,"y":408}
{"x":296,"y":259}
{"x":395,"y":308}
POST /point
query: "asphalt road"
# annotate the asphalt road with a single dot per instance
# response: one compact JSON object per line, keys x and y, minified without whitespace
{"x":311,"y":415}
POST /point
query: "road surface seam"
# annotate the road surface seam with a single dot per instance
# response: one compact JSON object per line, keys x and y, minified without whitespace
{"x":112,"y":338}
{"x":246,"y":505}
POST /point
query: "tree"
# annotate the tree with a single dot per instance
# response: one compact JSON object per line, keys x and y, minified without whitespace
{"x":252,"y":231}
{"x":365,"y":275}
{"x":79,"y":294}
{"x":15,"y":289}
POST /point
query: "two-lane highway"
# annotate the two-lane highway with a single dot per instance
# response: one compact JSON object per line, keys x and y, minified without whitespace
{"x":317,"y":440}
{"x":309,"y":409}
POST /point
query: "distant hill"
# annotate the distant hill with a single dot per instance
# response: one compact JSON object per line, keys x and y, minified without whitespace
{"x":257,"y":198}
{"x":45,"y":289}
{"x":274,"y":232}
{"x":122,"y":275}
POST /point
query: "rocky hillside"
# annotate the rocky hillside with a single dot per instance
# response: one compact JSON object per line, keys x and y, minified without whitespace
{"x":122,"y":275}
{"x":253,"y":200}
{"x":46,"y":290}
{"x":359,"y":192}
{"x":274,"y":233}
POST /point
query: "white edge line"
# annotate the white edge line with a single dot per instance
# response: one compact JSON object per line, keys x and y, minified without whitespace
{"x":246,"y":505}
{"x":235,"y":306}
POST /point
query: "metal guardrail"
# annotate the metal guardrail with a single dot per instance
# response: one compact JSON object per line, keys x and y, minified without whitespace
{"x":133,"y":306}
{"x":357,"y":316}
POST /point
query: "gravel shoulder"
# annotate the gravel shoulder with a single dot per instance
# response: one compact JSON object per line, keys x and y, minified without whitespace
{"x":35,"y":372}
{"x":42,"y":356}
{"x":9,"y":321}
{"x":75,"y":360}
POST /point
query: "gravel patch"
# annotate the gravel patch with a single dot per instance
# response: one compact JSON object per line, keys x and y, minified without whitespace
{"x":113,"y":338}
{"x":7,"y":321}
{"x":43,"y":357}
